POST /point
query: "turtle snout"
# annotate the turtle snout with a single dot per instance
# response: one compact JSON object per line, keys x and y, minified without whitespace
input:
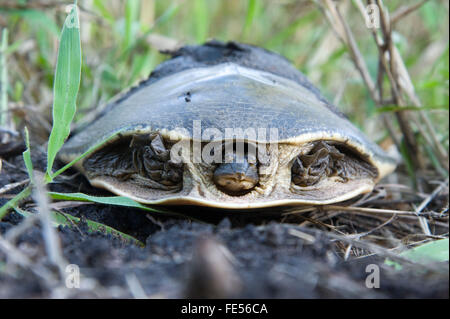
{"x":236,"y":178}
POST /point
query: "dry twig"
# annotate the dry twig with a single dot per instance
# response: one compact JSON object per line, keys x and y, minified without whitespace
{"x":391,"y":65}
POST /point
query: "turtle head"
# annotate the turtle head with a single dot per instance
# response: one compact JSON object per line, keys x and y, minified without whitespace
{"x":238,"y":177}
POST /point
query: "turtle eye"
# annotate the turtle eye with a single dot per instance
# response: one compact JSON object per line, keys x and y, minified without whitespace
{"x":143,"y":160}
{"x":328,"y":159}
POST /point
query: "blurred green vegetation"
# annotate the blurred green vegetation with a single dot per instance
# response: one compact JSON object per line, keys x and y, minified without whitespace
{"x":120,"y":42}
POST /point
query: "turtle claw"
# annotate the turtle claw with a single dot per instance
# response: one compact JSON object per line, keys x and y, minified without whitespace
{"x":158,"y":147}
{"x":148,"y":165}
{"x":326,"y":160}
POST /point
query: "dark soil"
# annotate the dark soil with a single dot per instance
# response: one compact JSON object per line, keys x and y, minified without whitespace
{"x":205,"y":254}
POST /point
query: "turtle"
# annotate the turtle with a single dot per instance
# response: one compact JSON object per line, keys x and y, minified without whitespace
{"x":230,"y":126}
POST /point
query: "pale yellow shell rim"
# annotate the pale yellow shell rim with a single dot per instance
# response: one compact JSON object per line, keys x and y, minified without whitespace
{"x":187,"y":200}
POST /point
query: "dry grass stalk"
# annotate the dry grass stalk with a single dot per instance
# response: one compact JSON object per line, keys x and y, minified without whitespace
{"x":12,"y":186}
{"x":391,"y":65}
{"x":135,"y":287}
{"x":15,"y":256}
{"x":51,"y":239}
{"x":403,"y":11}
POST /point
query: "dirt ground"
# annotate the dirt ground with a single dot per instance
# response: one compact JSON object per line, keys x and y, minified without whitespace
{"x":205,"y":254}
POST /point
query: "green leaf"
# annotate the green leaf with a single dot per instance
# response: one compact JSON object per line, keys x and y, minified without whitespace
{"x":13,"y":202}
{"x":131,"y":16}
{"x":435,"y":251}
{"x":167,"y":16}
{"x":35,"y":18}
{"x":18,"y":91}
{"x":431,"y":16}
{"x":27,"y":156}
{"x":138,"y":65}
{"x":68,"y":220}
{"x":66,"y":85}
{"x":107,"y":200}
{"x":434,"y":160}
{"x":100,"y":6}
{"x":253,"y":9}
{"x":408,"y":161}
{"x":201,"y":20}
{"x":4,"y":118}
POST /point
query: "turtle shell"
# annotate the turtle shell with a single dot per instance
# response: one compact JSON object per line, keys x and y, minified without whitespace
{"x":202,"y":93}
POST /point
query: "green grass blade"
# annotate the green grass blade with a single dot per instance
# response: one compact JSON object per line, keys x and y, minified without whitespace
{"x":36,"y":18}
{"x":66,"y":85}
{"x":201,"y":20}
{"x":12,"y":203}
{"x":435,"y":251}
{"x":104,"y":12}
{"x":408,"y":162}
{"x":252,"y":12}
{"x":167,"y":16}
{"x":107,"y":200}
{"x":4,"y":80}
{"x":434,"y":160}
{"x":131,"y":16}
{"x":27,"y":157}
{"x":68,"y":220}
